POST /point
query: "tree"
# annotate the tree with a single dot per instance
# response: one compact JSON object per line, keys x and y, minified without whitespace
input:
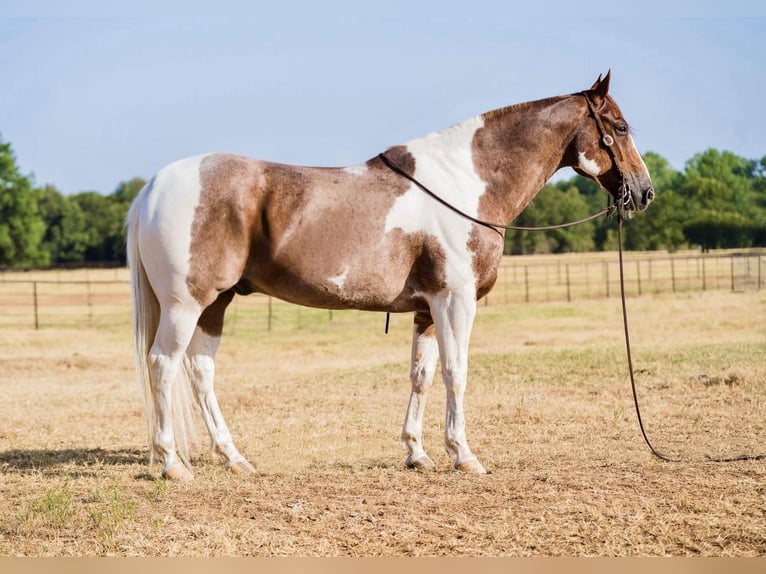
{"x":726,"y":208}
{"x":661,"y":226}
{"x":552,"y":205}
{"x":65,"y":238}
{"x":105,"y":220}
{"x":21,"y":227}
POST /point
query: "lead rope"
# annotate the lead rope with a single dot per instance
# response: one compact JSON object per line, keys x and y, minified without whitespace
{"x":655,"y":452}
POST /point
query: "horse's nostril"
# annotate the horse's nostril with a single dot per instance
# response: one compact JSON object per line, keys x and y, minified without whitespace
{"x":648,"y":195}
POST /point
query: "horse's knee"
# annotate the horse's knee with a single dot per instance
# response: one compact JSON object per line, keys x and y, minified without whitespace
{"x":421,"y":377}
{"x":202,"y":369}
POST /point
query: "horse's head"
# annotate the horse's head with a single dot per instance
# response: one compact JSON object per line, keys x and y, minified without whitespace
{"x":603,"y":150}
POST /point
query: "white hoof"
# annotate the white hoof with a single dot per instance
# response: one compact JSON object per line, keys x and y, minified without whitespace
{"x":241,"y":467}
{"x":421,"y":463}
{"x":473,"y":466}
{"x":178,"y":472}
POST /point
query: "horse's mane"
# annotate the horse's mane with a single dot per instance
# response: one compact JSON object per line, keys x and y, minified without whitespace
{"x":520,"y":107}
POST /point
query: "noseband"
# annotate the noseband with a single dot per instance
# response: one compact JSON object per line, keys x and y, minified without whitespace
{"x":626,"y":198}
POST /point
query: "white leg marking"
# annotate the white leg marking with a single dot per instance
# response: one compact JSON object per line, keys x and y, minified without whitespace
{"x":589,"y":166}
{"x":425,"y":352}
{"x":453,"y":314}
{"x":175,"y":330}
{"x":201,"y":357}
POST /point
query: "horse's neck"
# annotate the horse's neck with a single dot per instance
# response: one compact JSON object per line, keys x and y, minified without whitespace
{"x":497,"y":162}
{"x":520,"y":148}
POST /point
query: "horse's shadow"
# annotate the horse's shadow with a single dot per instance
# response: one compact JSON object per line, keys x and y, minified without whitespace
{"x":69,"y":461}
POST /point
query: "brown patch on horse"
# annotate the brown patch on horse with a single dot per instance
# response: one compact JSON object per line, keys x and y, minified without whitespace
{"x":487,"y":248}
{"x":228,"y":198}
{"x":211,"y":320}
{"x":424,"y":324}
{"x":509,"y":134}
{"x":400,"y":157}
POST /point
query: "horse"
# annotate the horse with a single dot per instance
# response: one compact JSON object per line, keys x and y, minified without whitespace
{"x":365,"y":237}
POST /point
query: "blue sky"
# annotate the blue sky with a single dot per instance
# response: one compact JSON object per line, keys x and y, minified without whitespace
{"x":91,"y":95}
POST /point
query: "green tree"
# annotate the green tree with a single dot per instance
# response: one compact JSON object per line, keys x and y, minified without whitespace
{"x":21,"y":227}
{"x":553,"y":205}
{"x":100,"y":225}
{"x":65,"y":238}
{"x":725,"y":201}
{"x":105,"y":220}
{"x":661,"y":226}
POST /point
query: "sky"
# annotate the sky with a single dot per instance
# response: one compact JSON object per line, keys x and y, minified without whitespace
{"x":93,"y":94}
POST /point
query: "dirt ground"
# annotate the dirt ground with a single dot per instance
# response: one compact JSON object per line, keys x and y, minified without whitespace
{"x":318,"y":410}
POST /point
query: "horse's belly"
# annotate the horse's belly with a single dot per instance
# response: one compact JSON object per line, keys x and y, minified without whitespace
{"x":347,"y":287}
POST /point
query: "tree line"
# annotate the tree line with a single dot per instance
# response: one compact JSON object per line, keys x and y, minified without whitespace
{"x":717,"y":201}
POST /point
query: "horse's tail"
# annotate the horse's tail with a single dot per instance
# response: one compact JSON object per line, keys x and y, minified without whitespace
{"x":146,"y":319}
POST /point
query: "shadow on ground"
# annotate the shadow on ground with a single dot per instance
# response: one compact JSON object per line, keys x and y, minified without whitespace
{"x":24,"y":461}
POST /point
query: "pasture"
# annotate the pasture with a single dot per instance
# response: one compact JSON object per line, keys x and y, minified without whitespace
{"x":317,"y":404}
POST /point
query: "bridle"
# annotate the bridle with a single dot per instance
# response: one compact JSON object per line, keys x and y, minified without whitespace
{"x":625,"y":202}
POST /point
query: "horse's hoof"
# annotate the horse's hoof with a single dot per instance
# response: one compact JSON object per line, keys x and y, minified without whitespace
{"x":472,"y":466}
{"x":178,"y":472}
{"x":422,"y":463}
{"x":241,"y":467}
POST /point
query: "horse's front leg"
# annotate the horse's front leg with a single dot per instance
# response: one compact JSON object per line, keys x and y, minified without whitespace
{"x":424,"y":355}
{"x":453,"y":313}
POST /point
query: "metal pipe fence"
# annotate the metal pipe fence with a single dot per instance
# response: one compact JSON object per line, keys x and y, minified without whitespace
{"x":93,"y":298}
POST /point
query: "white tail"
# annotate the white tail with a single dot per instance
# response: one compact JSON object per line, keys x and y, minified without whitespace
{"x":146,"y":318}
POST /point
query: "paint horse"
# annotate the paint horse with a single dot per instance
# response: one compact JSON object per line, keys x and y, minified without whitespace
{"x":365,"y":237}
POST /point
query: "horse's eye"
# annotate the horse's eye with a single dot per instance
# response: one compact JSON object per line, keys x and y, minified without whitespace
{"x":621,"y":129}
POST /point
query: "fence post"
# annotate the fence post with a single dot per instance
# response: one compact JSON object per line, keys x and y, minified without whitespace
{"x":606,"y":278}
{"x":673,"y":274}
{"x":270,"y":315}
{"x":526,"y":283}
{"x":638,"y":275}
{"x":704,"y":275}
{"x":505,"y":284}
{"x":569,"y":293}
{"x":731,"y":259}
{"x":90,"y":303}
{"x":34,"y":292}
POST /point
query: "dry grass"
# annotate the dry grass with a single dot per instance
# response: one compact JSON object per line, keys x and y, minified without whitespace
{"x":319,"y":410}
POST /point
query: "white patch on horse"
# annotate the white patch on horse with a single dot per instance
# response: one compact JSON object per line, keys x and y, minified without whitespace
{"x":589,"y":166}
{"x":444,"y":164}
{"x":166,"y":222}
{"x":340,"y":280}
{"x":632,"y":143}
{"x":360,"y":169}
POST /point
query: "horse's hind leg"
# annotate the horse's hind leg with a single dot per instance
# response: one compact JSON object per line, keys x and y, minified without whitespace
{"x":201,"y":362}
{"x":425,"y":352}
{"x":175,"y":329}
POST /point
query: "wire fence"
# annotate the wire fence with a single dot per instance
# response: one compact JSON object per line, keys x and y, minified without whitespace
{"x":101,"y":297}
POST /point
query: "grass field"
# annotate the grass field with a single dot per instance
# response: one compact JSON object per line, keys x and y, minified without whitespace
{"x":318,"y":408}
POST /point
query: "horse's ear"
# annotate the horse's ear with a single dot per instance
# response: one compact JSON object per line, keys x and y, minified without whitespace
{"x":600,"y":88}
